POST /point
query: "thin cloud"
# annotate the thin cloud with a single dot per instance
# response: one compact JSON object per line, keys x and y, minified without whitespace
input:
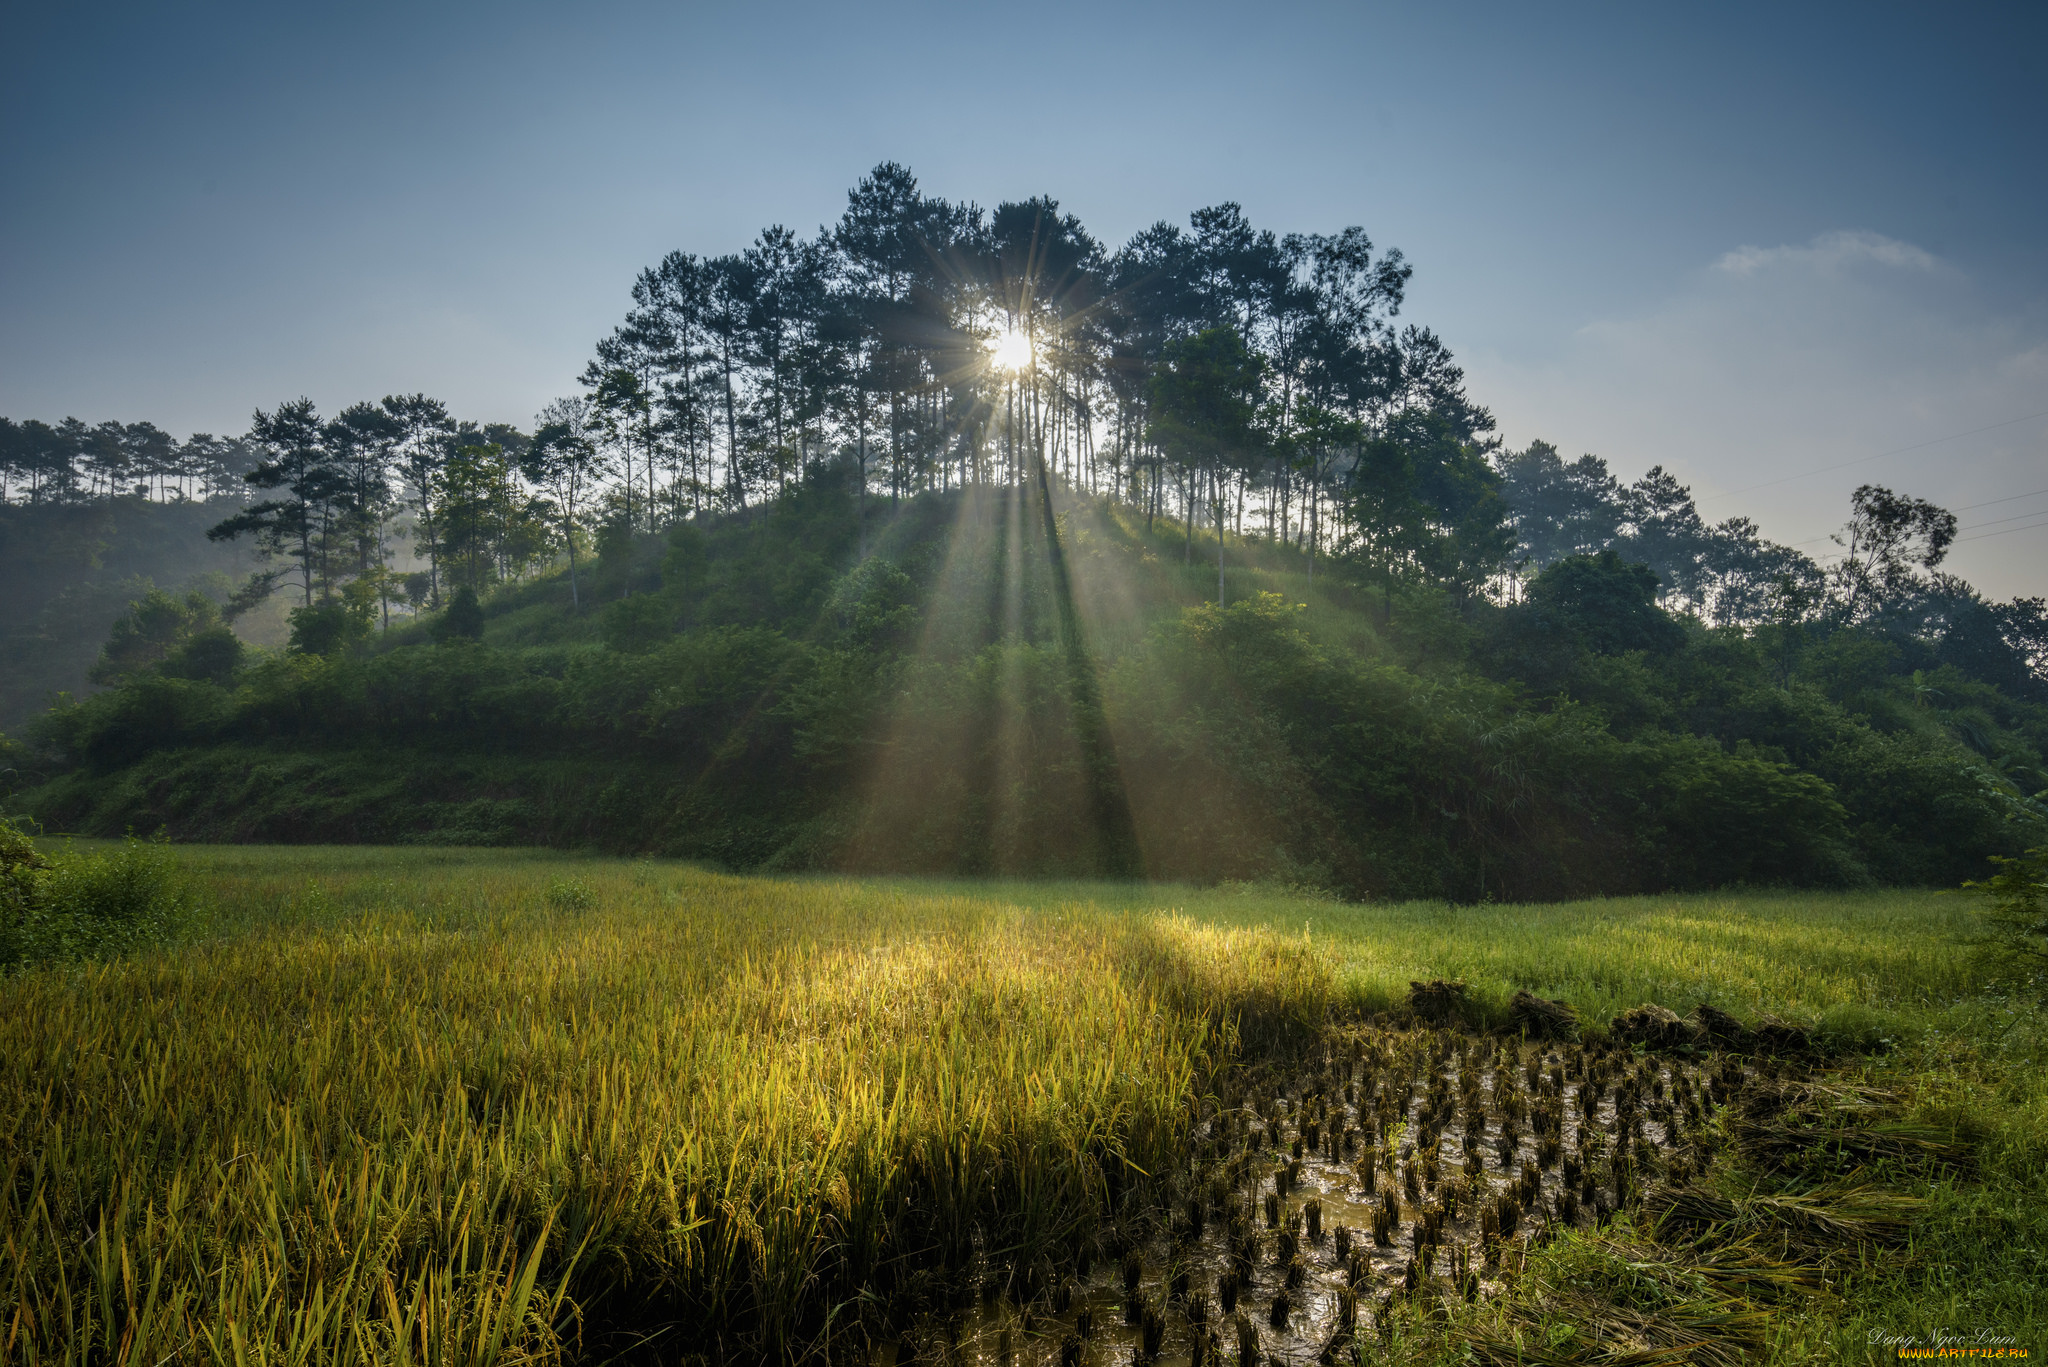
{"x":1831,"y":251}
{"x":1792,"y":373}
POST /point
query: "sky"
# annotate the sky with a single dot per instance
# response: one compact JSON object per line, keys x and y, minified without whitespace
{"x":1780,"y":250}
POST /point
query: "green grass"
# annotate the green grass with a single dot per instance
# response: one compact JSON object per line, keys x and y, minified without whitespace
{"x":496,"y":1106}
{"x":1891,"y":959}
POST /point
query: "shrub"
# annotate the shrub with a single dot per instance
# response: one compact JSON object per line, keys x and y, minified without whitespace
{"x":333,"y":626}
{"x":86,"y":905}
{"x":569,"y":894}
{"x":2016,"y":921}
{"x":211,"y":656}
{"x":638,"y":624}
{"x":464,"y":619}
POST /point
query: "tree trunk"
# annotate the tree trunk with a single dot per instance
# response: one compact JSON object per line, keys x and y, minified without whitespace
{"x":1219,"y":544}
{"x":1315,"y":508}
{"x":860,"y":485}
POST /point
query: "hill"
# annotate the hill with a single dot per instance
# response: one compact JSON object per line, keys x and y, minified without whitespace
{"x":69,"y":570}
{"x":983,"y":693}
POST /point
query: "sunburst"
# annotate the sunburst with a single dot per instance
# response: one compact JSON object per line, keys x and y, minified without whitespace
{"x":1010,"y":350}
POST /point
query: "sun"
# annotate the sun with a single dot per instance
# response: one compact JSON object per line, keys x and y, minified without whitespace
{"x":1010,"y":351}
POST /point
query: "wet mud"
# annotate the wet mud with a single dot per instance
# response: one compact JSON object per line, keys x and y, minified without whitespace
{"x":1395,"y":1165}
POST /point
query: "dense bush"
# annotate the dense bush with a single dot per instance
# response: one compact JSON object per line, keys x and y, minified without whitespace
{"x":85,"y":904}
{"x":2015,"y":940}
{"x":937,"y":708}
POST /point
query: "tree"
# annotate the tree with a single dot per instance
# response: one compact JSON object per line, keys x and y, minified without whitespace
{"x":40,"y":456}
{"x":1559,"y":509}
{"x":296,"y":463}
{"x":1423,"y":497}
{"x":423,"y":425}
{"x":104,"y":456}
{"x":216,"y":464}
{"x":1749,"y":576}
{"x":730,"y":301}
{"x":1662,"y":529}
{"x":622,"y":381}
{"x":1604,"y":602}
{"x":620,"y":408}
{"x":2016,"y":919}
{"x":2005,"y":644}
{"x":563,"y":461}
{"x":877,"y":244}
{"x":1890,"y":544}
{"x":336,"y":625}
{"x":1204,"y":411}
{"x":363,"y":439}
{"x":485,"y":525}
{"x":150,"y":456}
{"x":1320,"y":438}
{"x":154,"y":627}
{"x":787,"y":294}
{"x":1328,"y":315}
{"x":464,"y":620}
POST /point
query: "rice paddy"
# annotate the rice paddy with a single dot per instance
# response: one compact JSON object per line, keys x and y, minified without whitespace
{"x":1307,"y":1192}
{"x":501,"y":1107}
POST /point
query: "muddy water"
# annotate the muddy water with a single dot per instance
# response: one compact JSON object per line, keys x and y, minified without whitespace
{"x":1181,"y":1272}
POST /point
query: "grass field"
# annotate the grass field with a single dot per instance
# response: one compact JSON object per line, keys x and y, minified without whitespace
{"x":506,"y":1106}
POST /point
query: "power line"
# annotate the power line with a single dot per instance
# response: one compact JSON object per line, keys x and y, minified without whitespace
{"x":1996,"y":520}
{"x":1987,"y":503}
{"x":2007,"y":499}
{"x":2035,"y":526}
{"x":1875,"y":455}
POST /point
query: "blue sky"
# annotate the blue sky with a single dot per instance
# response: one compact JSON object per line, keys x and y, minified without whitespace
{"x":1745,"y":242}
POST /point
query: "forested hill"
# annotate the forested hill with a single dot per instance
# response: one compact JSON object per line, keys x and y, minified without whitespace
{"x":747,"y":689}
{"x":69,"y":570}
{"x":952,"y":539}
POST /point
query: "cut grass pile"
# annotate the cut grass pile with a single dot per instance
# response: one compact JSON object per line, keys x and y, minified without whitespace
{"x":492,"y":1106}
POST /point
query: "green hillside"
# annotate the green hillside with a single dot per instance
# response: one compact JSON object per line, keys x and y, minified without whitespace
{"x":977,"y":696}
{"x":68,"y":571}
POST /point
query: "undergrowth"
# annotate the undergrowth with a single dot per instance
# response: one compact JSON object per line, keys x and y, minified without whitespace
{"x":91,"y":902}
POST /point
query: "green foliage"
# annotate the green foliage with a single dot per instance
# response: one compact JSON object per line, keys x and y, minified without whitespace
{"x":615,"y":555}
{"x":2016,"y":917}
{"x":638,"y":624}
{"x":69,"y":572}
{"x":1204,"y":398}
{"x":684,"y":565}
{"x":86,"y":904}
{"x":875,"y":605}
{"x":750,"y":703}
{"x":210,"y":656}
{"x":569,"y":894}
{"x":464,"y":619}
{"x":24,"y":875}
{"x":154,"y":628}
{"x":1745,"y":819}
{"x":122,"y":725}
{"x":1605,"y":603}
{"x":1425,"y":503}
{"x":487,"y":528}
{"x":336,"y":626}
